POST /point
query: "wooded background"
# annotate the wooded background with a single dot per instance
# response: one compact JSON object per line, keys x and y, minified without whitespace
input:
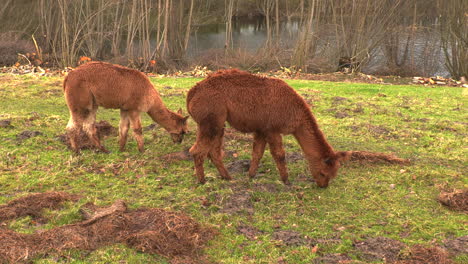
{"x":134,"y":32}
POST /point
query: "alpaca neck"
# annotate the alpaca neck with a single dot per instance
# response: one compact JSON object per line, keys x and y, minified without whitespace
{"x":313,"y":143}
{"x":161,"y":115}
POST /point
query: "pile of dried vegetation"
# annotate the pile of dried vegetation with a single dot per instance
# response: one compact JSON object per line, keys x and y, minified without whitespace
{"x":104,"y":129}
{"x":153,"y":230}
{"x":456,"y":199}
{"x":372,"y":157}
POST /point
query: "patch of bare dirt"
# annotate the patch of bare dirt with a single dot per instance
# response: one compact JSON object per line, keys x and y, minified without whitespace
{"x":104,"y":129}
{"x":170,"y":234}
{"x":338,"y":100}
{"x":372,"y":157}
{"x":249,"y":231}
{"x":239,"y":202}
{"x":456,"y":200}
{"x":177,"y":156}
{"x":291,"y":238}
{"x":238,"y":166}
{"x":150,"y":127}
{"x":5,"y":123}
{"x":33,"y":204}
{"x":457,"y":246}
{"x":266,"y":187}
{"x":341,"y":114}
{"x":28,"y":134}
{"x":426,"y":255}
{"x":294,"y":157}
{"x":379,"y":249}
{"x":336,"y":258}
{"x":381,"y":132}
{"x":232,"y":134}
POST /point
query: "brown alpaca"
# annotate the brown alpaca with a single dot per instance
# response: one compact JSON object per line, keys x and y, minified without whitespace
{"x":266,"y":107}
{"x":112,"y":86}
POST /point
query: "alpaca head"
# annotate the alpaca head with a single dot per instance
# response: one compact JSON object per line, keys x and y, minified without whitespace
{"x":328,"y":168}
{"x":181,"y":128}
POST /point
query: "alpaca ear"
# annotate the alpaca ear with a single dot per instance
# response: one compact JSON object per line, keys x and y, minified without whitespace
{"x":179,"y":111}
{"x":343,"y":155}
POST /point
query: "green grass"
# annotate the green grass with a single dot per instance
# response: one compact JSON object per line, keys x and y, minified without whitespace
{"x":424,"y":124}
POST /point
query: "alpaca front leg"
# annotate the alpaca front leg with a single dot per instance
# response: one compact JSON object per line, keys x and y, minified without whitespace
{"x":257,"y":154}
{"x":277,"y":151}
{"x":137,"y":130}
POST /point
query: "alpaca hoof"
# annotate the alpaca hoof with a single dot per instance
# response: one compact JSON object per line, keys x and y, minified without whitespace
{"x":201,"y":182}
{"x":287,"y":182}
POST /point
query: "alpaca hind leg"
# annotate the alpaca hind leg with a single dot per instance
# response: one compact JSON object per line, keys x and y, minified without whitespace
{"x":277,"y":151}
{"x":123,"y":128}
{"x":216,"y":156}
{"x":257,"y":153}
{"x":73,"y":132}
{"x":135,"y":121}
{"x":89,"y":127}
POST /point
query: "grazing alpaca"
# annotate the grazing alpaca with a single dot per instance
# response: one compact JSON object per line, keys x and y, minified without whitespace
{"x":112,"y":86}
{"x":266,"y":107}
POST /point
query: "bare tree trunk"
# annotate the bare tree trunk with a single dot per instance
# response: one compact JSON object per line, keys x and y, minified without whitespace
{"x":189,"y":25}
{"x":228,"y":20}
{"x":277,"y":20}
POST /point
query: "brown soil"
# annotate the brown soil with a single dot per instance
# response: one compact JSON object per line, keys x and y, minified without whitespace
{"x":239,"y":202}
{"x":336,"y":258}
{"x":33,"y":204}
{"x":177,"y":156}
{"x":372,"y":157}
{"x":426,"y":255}
{"x":28,"y":134}
{"x":249,"y":231}
{"x":232,"y":134}
{"x":455,"y":200}
{"x":152,"y":230}
{"x":291,"y":238}
{"x":457,"y":246}
{"x":104,"y":129}
{"x":294,"y":157}
{"x":267,"y":187}
{"x":379,"y":249}
{"x":238,"y":166}
{"x":5,"y":123}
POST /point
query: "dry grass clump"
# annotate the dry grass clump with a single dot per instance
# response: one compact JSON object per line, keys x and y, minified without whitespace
{"x":33,"y":204}
{"x":104,"y":129}
{"x":455,"y":200}
{"x":370,"y":157}
{"x":153,"y":230}
{"x":426,"y":255}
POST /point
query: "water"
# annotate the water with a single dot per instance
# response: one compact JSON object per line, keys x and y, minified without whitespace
{"x":250,"y":34}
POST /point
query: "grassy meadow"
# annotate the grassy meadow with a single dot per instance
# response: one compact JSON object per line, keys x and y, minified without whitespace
{"x":259,"y":220}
